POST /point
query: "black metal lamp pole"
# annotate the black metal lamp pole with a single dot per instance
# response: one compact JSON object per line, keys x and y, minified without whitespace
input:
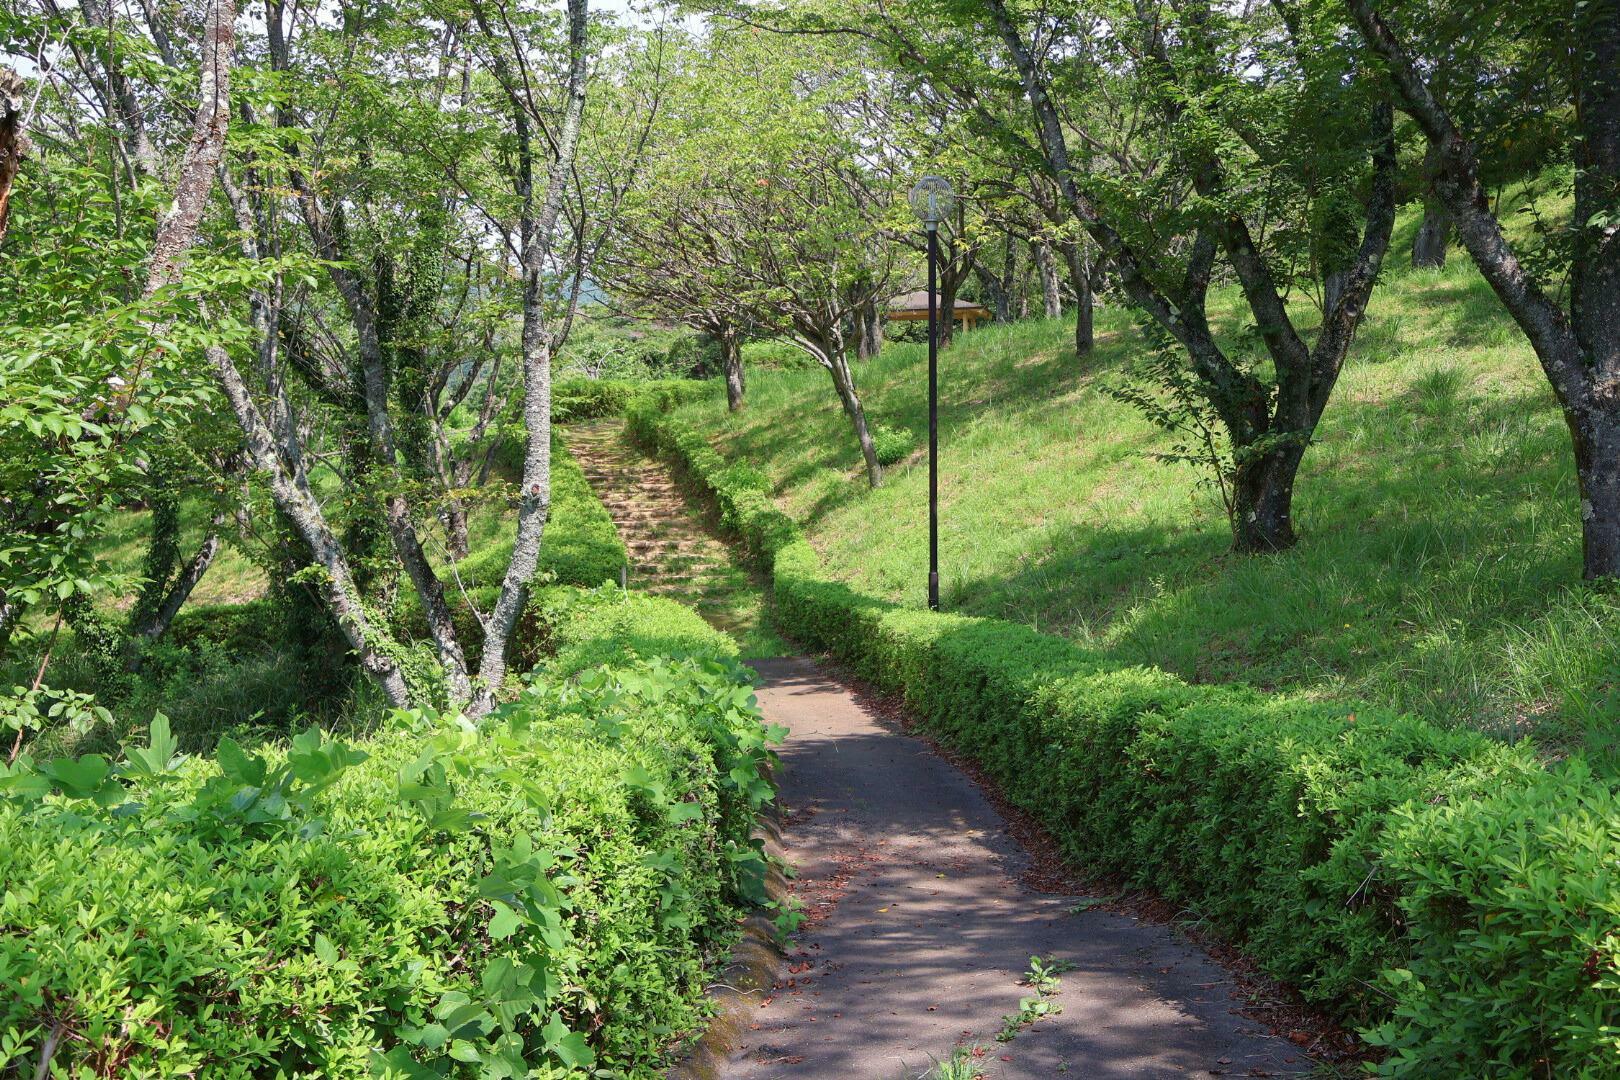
{"x":932,"y":200}
{"x":933,"y":416}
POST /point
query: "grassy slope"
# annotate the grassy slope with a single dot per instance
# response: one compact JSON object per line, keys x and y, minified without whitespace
{"x":1439,"y":567}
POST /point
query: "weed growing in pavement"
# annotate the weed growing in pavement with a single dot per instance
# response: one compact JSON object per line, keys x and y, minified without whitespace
{"x":963,"y":1064}
{"x":1043,"y":978}
{"x":788,"y":916}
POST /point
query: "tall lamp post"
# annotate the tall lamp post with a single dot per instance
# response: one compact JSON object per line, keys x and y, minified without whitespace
{"x":932,"y":201}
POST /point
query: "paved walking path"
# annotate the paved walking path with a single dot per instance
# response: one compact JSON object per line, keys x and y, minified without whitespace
{"x":919,"y":929}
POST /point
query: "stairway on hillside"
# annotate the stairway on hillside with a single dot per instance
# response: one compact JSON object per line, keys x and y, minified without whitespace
{"x":672,"y":552}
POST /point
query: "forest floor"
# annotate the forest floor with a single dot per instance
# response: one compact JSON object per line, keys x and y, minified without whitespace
{"x":933,"y":943}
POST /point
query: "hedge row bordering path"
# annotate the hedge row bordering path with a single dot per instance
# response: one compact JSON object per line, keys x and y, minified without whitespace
{"x":1457,"y":898}
{"x":541,"y":893}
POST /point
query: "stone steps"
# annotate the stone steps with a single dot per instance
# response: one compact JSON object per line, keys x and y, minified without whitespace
{"x":671,"y":553}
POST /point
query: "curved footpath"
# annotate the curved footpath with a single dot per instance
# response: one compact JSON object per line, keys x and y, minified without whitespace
{"x":919,"y":928}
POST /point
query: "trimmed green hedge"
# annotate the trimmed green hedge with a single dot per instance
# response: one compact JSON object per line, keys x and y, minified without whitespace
{"x":581,"y":544}
{"x":583,"y":630}
{"x":1458,"y":897}
{"x":589,"y":399}
{"x":536,"y":894}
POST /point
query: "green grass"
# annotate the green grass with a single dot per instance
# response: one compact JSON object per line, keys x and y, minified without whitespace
{"x":1439,"y":565}
{"x":231,"y":579}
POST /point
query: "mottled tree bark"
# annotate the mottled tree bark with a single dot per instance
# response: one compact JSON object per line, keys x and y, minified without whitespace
{"x":836,"y":361}
{"x":179,"y":590}
{"x":534,"y":492}
{"x":289,"y":487}
{"x":868,"y":329}
{"x":1085,"y":335}
{"x":1051,"y":286}
{"x":731,"y":363}
{"x":13,"y":139}
{"x":1434,"y":232}
{"x":177,"y":229}
{"x":1433,"y":239}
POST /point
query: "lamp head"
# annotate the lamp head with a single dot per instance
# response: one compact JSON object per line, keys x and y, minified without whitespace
{"x":932,"y":200}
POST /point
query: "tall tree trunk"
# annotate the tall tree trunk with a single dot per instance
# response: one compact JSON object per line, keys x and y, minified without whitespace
{"x":1579,"y":350}
{"x":949,"y":283}
{"x":397,"y":513}
{"x":13,"y":140}
{"x":534,"y":490}
{"x":1085,"y":337}
{"x":289,"y":488}
{"x":1007,"y":291}
{"x":731,"y":362}
{"x":177,"y":228}
{"x":1305,"y":376}
{"x":1432,"y":239}
{"x":868,"y":330}
{"x":158,"y":621}
{"x":162,"y":552}
{"x":996,"y":292}
{"x":1596,"y":436}
{"x":455,"y":529}
{"x":1051,"y":286}
{"x":1434,"y":233}
{"x":844,"y":382}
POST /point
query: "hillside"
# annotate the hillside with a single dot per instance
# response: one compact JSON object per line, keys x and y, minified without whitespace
{"x":1439,"y":564}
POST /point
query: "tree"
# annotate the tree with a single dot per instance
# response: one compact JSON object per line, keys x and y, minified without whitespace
{"x":101,"y":306}
{"x":1577,"y":340}
{"x":1239,"y":118}
{"x":660,"y":257}
{"x":781,"y":209}
{"x":13,"y":138}
{"x":347,"y":158}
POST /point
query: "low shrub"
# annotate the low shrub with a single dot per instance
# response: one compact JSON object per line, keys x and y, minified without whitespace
{"x":893,"y":444}
{"x":774,"y":353}
{"x":535,"y":894}
{"x":236,"y":628}
{"x":582,"y":630}
{"x":1457,"y":897}
{"x":576,"y":399}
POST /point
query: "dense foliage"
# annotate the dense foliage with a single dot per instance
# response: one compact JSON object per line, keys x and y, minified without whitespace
{"x":539,"y":890}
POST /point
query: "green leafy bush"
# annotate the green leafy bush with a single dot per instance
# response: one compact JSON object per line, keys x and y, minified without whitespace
{"x":576,"y":399}
{"x":534,"y":894}
{"x":1458,"y":896}
{"x":893,"y":444}
{"x":773,"y":353}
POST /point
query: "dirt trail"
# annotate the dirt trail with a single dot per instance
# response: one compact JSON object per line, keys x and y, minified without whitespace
{"x":919,"y":926}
